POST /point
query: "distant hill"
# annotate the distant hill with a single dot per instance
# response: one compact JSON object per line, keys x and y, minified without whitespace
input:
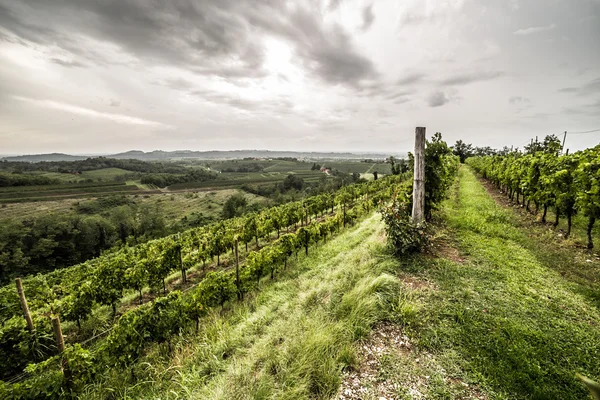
{"x":45,"y":157}
{"x":203,"y":155}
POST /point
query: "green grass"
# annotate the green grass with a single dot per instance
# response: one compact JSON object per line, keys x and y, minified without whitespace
{"x":292,"y":341}
{"x":516,"y":311}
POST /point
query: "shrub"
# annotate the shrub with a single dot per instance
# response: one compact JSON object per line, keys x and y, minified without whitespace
{"x":404,"y":236}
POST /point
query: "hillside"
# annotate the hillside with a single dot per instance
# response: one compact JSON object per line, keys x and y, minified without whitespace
{"x":498,"y":309}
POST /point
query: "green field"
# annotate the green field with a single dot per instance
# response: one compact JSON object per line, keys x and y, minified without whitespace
{"x":98,"y":175}
{"x":174,"y":205}
{"x":53,"y":192}
{"x":236,"y":179}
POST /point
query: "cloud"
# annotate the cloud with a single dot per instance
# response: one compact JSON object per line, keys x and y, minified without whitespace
{"x":176,"y":83}
{"x":88,"y":112}
{"x":590,"y":88}
{"x":396,"y":95}
{"x":472,"y":76}
{"x":115,"y":103}
{"x":334,"y":4}
{"x":410,"y":79}
{"x":437,"y":99}
{"x":368,"y":17}
{"x":222,"y":38}
{"x":534,"y":29}
{"x":276,"y":106}
{"x":402,"y":100}
{"x":68,"y":64}
{"x":515,"y":100}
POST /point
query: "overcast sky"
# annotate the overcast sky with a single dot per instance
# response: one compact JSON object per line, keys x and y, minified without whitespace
{"x":83,"y":76}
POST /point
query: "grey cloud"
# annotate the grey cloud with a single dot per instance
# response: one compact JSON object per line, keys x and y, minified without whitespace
{"x":68,"y":64}
{"x":368,"y":17}
{"x":404,"y":100}
{"x":115,"y":103}
{"x":534,"y":29}
{"x":327,"y":53}
{"x":437,"y":99}
{"x":212,"y":37}
{"x":396,"y":95}
{"x":590,"y":110}
{"x":279,"y":106}
{"x":519,"y":100}
{"x":470,"y":77}
{"x":334,"y":4}
{"x":410,"y":79}
{"x":589,"y":88}
{"x":176,"y":84}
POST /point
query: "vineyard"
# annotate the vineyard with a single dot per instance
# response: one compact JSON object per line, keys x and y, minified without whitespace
{"x":78,"y":293}
{"x":543,"y":180}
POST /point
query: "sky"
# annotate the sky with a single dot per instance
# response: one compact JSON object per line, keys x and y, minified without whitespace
{"x":104,"y":76}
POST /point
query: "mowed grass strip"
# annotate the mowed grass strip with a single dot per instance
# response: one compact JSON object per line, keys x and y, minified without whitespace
{"x":503,"y":311}
{"x":293,"y":340}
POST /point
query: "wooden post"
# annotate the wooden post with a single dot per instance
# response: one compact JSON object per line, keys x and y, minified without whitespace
{"x":237,"y":269}
{"x":418,"y":211}
{"x":24,"y":306}
{"x":58,"y":336}
{"x":60,"y":344}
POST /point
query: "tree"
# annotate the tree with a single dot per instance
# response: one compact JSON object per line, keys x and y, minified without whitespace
{"x":234,"y":206}
{"x":462,"y":150}
{"x":292,"y":182}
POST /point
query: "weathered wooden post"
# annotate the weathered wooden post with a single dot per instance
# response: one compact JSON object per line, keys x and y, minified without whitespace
{"x":418,"y":211}
{"x":24,"y":306}
{"x":60,"y":344}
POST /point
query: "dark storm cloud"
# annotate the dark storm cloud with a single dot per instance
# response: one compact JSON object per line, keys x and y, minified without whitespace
{"x":437,"y":99}
{"x":470,"y":77}
{"x":211,"y":37}
{"x":368,"y":17}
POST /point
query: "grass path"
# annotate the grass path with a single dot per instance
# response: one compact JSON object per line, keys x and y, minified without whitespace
{"x":509,"y":312}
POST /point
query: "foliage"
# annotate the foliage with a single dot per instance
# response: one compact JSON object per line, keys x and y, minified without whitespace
{"x":104,"y":280}
{"x":462,"y":150}
{"x":234,"y":206}
{"x":292,"y":182}
{"x":404,"y":236}
{"x":440,"y":169}
{"x":568,"y":183}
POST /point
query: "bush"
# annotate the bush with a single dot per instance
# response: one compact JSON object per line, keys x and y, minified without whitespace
{"x":404,"y":236}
